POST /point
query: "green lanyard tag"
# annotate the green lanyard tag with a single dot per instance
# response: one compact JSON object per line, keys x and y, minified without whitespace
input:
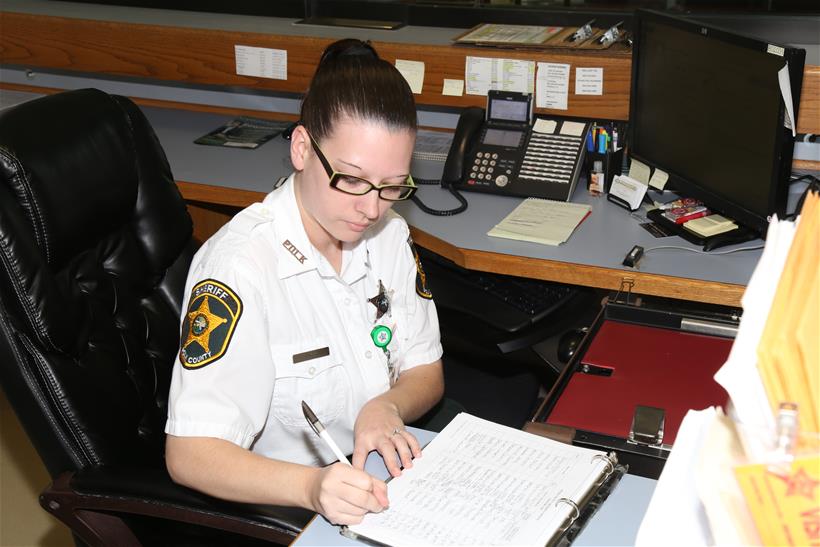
{"x":381,"y":336}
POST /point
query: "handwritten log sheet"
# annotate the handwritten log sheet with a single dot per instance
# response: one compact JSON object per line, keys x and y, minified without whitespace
{"x":481,"y":483}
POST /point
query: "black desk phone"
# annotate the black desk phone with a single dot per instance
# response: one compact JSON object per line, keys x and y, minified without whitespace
{"x":497,"y":150}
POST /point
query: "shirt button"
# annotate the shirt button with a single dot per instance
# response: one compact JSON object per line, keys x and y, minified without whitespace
{"x":312,"y":370}
{"x":368,"y":354}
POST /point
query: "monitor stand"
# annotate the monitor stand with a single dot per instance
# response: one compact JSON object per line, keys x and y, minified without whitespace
{"x":710,"y":243}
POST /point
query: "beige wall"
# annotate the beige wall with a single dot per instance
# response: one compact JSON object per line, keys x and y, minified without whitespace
{"x":23,"y":523}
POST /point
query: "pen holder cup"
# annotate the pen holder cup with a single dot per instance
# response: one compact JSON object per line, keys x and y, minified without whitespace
{"x":611,"y":163}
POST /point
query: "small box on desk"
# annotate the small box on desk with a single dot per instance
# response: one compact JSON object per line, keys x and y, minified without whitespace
{"x":638,"y":370}
{"x":609,"y":164}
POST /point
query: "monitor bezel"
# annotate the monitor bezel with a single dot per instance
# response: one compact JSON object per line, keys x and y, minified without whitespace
{"x":784,"y":141}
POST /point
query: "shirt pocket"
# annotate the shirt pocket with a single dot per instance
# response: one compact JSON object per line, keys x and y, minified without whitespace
{"x":317,"y":377}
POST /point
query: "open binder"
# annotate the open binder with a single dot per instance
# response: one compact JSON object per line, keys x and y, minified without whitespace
{"x":480,"y":483}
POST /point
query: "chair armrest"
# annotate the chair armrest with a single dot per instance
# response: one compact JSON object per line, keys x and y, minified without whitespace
{"x":89,"y":500}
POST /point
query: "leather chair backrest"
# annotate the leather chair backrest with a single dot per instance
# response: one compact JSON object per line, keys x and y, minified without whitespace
{"x":95,"y":244}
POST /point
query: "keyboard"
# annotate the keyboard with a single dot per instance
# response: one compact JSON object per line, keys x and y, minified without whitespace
{"x":504,"y":301}
{"x":532,"y":296}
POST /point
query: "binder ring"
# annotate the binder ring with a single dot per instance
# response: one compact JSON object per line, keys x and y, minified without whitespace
{"x":575,"y":511}
{"x":610,"y":467}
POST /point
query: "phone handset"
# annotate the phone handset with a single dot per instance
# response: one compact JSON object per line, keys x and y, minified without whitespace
{"x":466,"y":134}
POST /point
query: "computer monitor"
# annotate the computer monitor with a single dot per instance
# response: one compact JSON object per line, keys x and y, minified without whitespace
{"x":706,"y":106}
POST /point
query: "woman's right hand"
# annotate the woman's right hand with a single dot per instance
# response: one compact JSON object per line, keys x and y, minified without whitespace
{"x":344,"y":494}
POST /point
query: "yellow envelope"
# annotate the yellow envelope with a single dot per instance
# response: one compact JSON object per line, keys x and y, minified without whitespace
{"x":785,"y":509}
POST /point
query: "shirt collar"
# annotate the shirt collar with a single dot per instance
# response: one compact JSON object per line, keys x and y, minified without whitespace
{"x":295,"y":252}
{"x":293,"y":249}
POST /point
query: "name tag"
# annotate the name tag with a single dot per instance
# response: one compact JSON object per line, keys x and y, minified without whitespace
{"x":309,"y":355}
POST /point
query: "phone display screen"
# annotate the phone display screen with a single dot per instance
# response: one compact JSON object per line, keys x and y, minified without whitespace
{"x":502,"y":137}
{"x":511,"y":111}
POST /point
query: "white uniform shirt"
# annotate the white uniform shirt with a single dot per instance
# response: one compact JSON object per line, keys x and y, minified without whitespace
{"x":269,"y":323}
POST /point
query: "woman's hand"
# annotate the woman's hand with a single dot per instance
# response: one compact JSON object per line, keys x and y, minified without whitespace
{"x":379,"y":427}
{"x":345,"y":495}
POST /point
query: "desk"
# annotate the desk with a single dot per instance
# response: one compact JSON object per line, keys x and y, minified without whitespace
{"x":616,"y":522}
{"x":223,"y":177}
{"x":592,"y":257}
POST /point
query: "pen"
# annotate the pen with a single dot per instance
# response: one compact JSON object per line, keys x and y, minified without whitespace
{"x":320,"y":430}
{"x":602,"y":138}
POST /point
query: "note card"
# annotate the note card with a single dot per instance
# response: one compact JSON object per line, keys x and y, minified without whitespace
{"x":413,"y":72}
{"x":544,"y":126}
{"x":589,"y":81}
{"x":658,"y":180}
{"x":485,"y":73}
{"x":639,"y":171}
{"x":573,"y":129}
{"x":552,"y":86}
{"x":541,"y":221}
{"x":453,"y":88}
{"x":261,"y":62}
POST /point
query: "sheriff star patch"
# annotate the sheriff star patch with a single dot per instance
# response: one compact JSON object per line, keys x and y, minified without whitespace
{"x":213,"y":312}
{"x":421,"y":277}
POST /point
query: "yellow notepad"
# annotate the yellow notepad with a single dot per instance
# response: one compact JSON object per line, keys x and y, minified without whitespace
{"x":541,"y":221}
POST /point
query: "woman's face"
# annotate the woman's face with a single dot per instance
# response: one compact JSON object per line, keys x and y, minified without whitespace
{"x":365,"y":149}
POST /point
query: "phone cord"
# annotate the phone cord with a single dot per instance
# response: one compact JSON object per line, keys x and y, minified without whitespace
{"x":440,"y":213}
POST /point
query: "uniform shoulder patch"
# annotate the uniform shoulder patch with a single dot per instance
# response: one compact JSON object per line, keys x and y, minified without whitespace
{"x":213,"y":312}
{"x":421,"y":277}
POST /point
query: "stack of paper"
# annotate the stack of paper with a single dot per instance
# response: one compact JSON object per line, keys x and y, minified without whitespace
{"x":541,"y":221}
{"x":788,"y":353}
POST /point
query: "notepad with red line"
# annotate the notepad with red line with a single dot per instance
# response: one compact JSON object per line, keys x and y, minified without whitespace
{"x":651,"y":366}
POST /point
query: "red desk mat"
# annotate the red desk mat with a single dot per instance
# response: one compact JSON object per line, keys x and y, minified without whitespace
{"x":657,"y":367}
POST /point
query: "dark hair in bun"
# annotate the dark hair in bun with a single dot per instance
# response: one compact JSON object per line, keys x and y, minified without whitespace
{"x":351,"y":80}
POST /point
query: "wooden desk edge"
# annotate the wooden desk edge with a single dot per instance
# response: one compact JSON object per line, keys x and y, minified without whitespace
{"x":550,"y":270}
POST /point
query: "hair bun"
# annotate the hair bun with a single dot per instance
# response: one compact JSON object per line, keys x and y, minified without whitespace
{"x":348,"y":47}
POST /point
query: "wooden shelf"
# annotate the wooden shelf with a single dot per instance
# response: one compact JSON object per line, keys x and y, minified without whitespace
{"x":205,"y":56}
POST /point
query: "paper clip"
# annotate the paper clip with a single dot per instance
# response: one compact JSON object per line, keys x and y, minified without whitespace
{"x":572,"y":517}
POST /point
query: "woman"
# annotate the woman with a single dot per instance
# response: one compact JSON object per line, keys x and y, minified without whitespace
{"x":315,"y":294}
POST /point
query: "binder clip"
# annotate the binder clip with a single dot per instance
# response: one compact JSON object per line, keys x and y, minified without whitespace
{"x":583,"y":32}
{"x":647,"y":426}
{"x":610,"y":36}
{"x":626,"y":288}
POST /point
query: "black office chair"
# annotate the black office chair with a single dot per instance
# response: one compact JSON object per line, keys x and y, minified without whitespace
{"x":95,"y":244}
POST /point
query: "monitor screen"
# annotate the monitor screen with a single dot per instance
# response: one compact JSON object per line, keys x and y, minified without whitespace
{"x":706,"y":107}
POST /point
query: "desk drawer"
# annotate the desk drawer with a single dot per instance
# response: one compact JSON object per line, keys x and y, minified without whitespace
{"x":637,"y":357}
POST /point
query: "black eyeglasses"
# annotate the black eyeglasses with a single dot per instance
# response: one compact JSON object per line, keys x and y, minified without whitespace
{"x":357,"y":186}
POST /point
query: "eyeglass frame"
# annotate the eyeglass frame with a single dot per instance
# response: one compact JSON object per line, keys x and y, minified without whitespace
{"x":336,"y":175}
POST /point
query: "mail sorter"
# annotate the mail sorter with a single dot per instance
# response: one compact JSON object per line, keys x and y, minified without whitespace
{"x":640,"y":367}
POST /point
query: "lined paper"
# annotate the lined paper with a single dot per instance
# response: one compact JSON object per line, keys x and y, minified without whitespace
{"x":481,"y":483}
